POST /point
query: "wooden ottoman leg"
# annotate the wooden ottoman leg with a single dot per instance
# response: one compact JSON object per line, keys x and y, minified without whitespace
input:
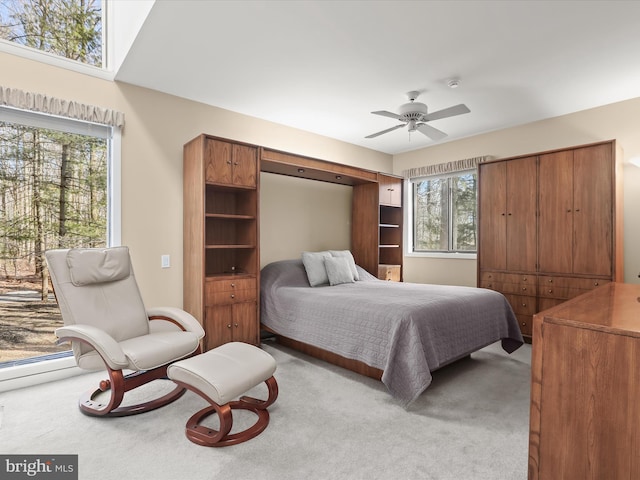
{"x":210,"y":437}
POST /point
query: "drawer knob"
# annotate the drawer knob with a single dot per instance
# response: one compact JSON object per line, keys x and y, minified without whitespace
{"x":550,"y":291}
{"x":550,"y":280}
{"x":524,"y":304}
{"x":229,"y":326}
{"x":596,"y":283}
{"x":524,"y":289}
{"x":524,"y":324}
{"x":233,"y":295}
{"x":233,"y":285}
{"x":235,"y":325}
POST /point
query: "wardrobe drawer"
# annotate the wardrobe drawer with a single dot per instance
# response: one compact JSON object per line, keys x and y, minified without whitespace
{"x":519,"y":288}
{"x":571,"y":282}
{"x":501,"y":277}
{"x":229,"y":285}
{"x":567,"y":287}
{"x":526,"y":324}
{"x":521,"y":304}
{"x":390,"y":273}
{"x":234,"y":296}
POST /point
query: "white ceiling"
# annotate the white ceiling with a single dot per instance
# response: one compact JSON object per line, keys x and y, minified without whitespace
{"x":323,"y":66}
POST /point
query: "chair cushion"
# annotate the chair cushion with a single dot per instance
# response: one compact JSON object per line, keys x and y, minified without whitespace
{"x":156,"y":349}
{"x":225,"y":372}
{"x":88,"y":266}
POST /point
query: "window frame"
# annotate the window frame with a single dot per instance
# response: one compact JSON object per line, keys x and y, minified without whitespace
{"x":33,"y":373}
{"x":409,"y":201}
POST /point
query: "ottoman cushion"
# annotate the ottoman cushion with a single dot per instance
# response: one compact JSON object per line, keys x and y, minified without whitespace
{"x":225,"y":372}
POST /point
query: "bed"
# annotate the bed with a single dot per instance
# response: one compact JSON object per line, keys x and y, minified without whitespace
{"x":405,"y":331}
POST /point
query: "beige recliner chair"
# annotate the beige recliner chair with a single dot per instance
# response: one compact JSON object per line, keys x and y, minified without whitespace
{"x":109,"y":327}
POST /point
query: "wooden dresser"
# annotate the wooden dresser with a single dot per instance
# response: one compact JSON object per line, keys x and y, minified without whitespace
{"x":585,"y":387}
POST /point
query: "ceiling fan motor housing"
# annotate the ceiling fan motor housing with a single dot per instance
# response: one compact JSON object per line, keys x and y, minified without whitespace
{"x":412,"y":111}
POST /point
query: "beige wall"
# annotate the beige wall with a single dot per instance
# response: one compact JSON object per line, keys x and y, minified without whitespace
{"x":619,"y":121}
{"x":156,"y":127}
{"x":298,"y":214}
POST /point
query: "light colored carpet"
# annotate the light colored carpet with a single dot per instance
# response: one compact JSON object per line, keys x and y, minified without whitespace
{"x":328,"y":423}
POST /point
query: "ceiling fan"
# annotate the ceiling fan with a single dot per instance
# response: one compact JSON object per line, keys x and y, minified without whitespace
{"x":415,"y":115}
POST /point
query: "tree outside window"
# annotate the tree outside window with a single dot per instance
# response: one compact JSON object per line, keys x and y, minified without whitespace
{"x":444,"y":210}
{"x":67,"y":28}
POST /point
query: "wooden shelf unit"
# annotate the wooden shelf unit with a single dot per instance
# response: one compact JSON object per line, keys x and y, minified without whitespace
{"x":377,"y":227}
{"x":221,"y":237}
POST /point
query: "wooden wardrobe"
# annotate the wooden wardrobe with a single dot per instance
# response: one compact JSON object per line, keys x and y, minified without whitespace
{"x":550,"y":226}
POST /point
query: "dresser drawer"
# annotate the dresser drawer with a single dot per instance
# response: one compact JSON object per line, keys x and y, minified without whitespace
{"x":501,"y":277}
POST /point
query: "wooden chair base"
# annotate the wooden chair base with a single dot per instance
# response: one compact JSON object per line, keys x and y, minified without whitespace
{"x":117,"y":385}
{"x":222,"y":437}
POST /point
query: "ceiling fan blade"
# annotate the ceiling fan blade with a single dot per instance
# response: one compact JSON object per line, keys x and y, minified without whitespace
{"x":386,"y":131}
{"x":384,"y":113}
{"x":447,"y":112}
{"x":429,"y":131}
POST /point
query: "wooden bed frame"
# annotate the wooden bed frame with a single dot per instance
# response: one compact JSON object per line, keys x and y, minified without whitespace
{"x":333,"y":358}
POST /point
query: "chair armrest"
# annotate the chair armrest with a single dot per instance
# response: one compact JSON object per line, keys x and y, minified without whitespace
{"x":184,"y":320}
{"x":97,"y":339}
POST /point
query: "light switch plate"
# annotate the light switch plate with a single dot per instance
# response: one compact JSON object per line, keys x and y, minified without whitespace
{"x":165,"y":261}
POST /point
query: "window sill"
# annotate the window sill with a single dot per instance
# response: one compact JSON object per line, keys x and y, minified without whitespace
{"x":21,"y":376}
{"x":458,"y":256}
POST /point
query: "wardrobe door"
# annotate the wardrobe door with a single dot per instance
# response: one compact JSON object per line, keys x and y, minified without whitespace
{"x":593,"y":210}
{"x":555,"y":222}
{"x":493,"y":215}
{"x":521,"y":244}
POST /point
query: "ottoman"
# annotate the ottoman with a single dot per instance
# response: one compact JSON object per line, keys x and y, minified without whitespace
{"x":219,"y":376}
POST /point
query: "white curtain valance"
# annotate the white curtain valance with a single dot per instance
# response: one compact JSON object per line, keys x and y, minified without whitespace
{"x":36,"y":102}
{"x":444,"y":168}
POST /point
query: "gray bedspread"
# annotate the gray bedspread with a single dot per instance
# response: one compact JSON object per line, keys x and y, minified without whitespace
{"x":407,"y":330}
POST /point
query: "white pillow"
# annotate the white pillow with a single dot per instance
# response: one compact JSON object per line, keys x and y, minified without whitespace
{"x":352,"y":263}
{"x":314,"y":265}
{"x":88,"y":266}
{"x":338,"y":270}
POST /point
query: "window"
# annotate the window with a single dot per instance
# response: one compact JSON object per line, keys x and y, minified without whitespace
{"x":70,"y":29}
{"x":444,"y":213}
{"x":59,"y":187}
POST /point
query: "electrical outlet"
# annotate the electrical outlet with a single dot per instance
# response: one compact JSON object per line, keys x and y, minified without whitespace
{"x":165,"y":261}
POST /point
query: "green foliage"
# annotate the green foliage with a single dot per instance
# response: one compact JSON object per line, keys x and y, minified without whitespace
{"x":68,"y":28}
{"x":39,"y":209}
{"x":445,"y":213}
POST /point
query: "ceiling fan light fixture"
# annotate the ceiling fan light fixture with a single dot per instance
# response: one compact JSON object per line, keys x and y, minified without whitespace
{"x":453,"y":83}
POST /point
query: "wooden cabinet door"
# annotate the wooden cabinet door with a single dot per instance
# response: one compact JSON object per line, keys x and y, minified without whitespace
{"x":555,"y":222}
{"x":390,"y":190}
{"x":521,"y":197}
{"x":492,"y":220}
{"x":245,"y":165}
{"x":593,"y":210}
{"x":218,"y":165}
{"x":218,"y":326}
{"x":237,"y":322}
{"x":245,"y":323}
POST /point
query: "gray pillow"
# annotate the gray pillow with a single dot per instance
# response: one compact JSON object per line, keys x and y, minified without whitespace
{"x":338,"y":270}
{"x":314,"y":266}
{"x":349,"y":256}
